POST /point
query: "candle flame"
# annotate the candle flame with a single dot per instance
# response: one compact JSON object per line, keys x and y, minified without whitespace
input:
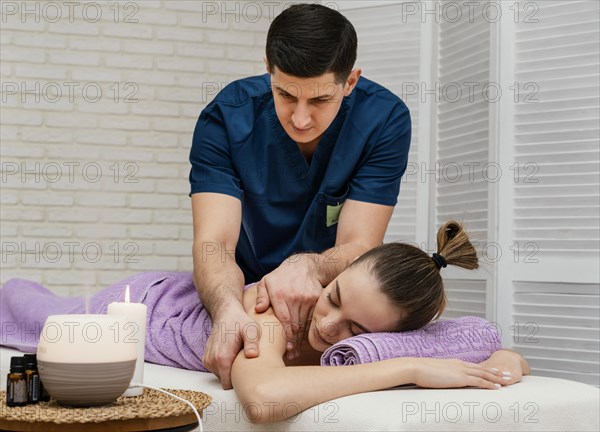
{"x":127,"y":294}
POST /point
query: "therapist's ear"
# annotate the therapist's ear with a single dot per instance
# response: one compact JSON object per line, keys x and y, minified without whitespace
{"x":351,"y":81}
{"x":267,"y":65}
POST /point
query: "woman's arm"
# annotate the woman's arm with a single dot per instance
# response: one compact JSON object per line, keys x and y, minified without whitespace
{"x":270,"y":391}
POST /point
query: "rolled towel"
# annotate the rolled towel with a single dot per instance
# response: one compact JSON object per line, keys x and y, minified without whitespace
{"x":471,"y":339}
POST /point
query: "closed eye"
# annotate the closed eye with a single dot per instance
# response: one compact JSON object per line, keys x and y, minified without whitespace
{"x":331,"y":301}
{"x":335,"y":306}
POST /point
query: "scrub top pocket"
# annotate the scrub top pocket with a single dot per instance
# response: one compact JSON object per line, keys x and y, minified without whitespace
{"x":327,"y":213}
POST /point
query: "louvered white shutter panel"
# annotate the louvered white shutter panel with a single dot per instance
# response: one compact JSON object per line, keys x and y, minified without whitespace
{"x":461,"y":191}
{"x":555,"y":228}
{"x":388,"y":53}
{"x":556,"y":328}
{"x":557,"y":196}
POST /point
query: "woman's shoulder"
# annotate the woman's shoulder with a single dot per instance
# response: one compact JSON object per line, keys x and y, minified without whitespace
{"x":273,"y":331}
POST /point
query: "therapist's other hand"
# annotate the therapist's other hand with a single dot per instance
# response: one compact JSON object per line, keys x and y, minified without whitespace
{"x":292,"y":289}
{"x":232,"y":330}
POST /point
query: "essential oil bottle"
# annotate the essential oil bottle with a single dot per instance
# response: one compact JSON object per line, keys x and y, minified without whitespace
{"x":16,"y":385}
{"x":32,"y":378}
{"x":43,"y":395}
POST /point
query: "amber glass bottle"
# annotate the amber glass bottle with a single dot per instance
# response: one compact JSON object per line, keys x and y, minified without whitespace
{"x":32,"y":378}
{"x":16,"y":385}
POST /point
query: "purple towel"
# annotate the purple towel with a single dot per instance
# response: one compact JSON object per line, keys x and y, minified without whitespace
{"x":470,"y":339}
{"x":177,"y":326}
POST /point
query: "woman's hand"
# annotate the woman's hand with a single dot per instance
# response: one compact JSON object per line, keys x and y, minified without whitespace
{"x":451,"y":373}
{"x":508,"y":364}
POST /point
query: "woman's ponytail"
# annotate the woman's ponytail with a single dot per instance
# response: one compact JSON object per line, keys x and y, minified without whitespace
{"x":454,"y":246}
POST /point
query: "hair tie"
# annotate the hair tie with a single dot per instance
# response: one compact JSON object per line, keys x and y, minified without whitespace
{"x":439,"y":260}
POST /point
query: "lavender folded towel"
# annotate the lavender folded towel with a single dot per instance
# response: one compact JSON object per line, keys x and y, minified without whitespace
{"x":470,"y":339}
{"x":177,"y":326}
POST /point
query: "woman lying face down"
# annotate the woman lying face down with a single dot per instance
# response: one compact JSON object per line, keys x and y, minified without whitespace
{"x":394,"y":287}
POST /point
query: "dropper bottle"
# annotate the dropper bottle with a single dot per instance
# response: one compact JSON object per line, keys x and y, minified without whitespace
{"x":32,"y":378}
{"x":16,"y":385}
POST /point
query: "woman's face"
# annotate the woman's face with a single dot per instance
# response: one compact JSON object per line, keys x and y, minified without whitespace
{"x":350,"y":305}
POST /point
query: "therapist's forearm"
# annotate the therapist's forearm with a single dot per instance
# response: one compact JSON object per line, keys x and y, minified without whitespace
{"x":218,"y":279}
{"x":330,"y":263}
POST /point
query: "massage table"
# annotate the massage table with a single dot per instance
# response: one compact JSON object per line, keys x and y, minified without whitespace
{"x":535,"y":404}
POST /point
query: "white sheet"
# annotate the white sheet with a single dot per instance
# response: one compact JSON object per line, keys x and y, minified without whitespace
{"x":535,"y":404}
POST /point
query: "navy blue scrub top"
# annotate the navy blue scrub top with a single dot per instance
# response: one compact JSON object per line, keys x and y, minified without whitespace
{"x":288,"y":205}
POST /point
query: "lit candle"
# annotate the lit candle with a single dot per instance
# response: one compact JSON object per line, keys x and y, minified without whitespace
{"x":134,"y":331}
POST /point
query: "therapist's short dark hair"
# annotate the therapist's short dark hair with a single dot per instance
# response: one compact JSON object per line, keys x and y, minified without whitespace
{"x":308,"y":40}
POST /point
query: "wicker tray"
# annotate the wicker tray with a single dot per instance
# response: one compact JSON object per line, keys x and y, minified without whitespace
{"x":151,"y":411}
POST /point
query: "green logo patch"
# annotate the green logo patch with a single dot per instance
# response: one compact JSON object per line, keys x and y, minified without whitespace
{"x":333,"y":214}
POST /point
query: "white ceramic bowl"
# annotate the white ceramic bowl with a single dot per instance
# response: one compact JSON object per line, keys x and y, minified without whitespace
{"x":85,"y":360}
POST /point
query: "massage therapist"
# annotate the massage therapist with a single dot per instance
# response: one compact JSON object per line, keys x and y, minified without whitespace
{"x":294,"y":174}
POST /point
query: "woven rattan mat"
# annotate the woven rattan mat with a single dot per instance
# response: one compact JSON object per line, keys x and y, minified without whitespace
{"x":150,"y":411}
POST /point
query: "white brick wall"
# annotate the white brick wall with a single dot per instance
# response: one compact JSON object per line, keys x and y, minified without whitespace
{"x":96,"y":126}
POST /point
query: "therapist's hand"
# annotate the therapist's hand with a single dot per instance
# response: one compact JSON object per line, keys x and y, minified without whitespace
{"x":292,"y":289}
{"x":232,"y":330}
